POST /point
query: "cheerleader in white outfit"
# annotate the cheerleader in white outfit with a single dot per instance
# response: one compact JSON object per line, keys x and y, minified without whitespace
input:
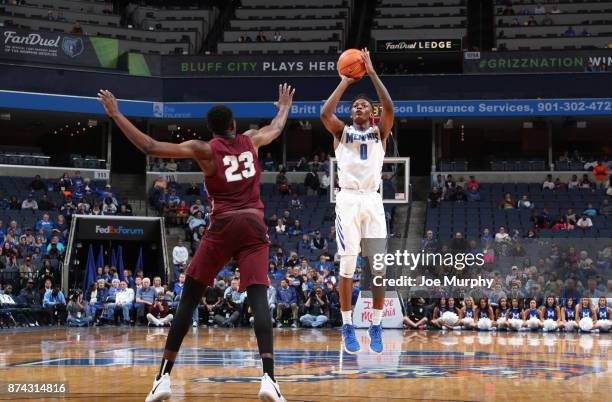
{"x":603,"y":315}
{"x":532,"y":317}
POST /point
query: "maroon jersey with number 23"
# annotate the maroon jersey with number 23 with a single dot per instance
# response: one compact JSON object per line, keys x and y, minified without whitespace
{"x":237,"y":229}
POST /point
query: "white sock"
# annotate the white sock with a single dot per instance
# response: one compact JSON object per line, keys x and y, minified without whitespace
{"x":347,"y":317}
{"x":376,"y":316}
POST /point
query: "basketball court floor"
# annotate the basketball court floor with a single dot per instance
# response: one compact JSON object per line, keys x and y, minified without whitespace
{"x":118,"y":364}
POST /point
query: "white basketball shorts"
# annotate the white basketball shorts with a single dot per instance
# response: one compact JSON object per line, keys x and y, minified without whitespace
{"x":359,"y":215}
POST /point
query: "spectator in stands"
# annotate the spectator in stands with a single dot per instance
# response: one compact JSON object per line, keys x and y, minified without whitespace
{"x":547,"y":21}
{"x":171,"y":166}
{"x":569,"y":32}
{"x":318,"y":242}
{"x":280,"y":227}
{"x":584,"y":222}
{"x":77,"y":179}
{"x":30,"y":295}
{"x":55,"y":246}
{"x":429,"y":243}
{"x":29,"y":203}
{"x":324,"y":183}
{"x":227,"y":313}
{"x":590,"y":211}
{"x":145,"y":297}
{"x":45,"y":205}
{"x":197,"y":206}
{"x":157,"y":285}
{"x":502,"y":235}
{"x":303,"y":247}
{"x":159,"y":313}
{"x":37,"y":184}
{"x":600,"y":171}
{"x":261,"y":37}
{"x":4,"y":202}
{"x":296,"y":229}
{"x":282,"y":183}
{"x":556,"y":10}
{"x":315,"y":307}
{"x":26,"y":270}
{"x":55,"y":304}
{"x":438,"y":182}
{"x":559,"y":185}
{"x":196,"y":220}
{"x":434,"y":197}
{"x":507,"y":202}
{"x":486,"y":236}
{"x":608,"y":185}
{"x":561,"y":224}
{"x":77,"y":313}
{"x":524,"y":203}
{"x":585,"y":182}
{"x":45,"y":224}
{"x":515,"y":22}
{"x":539,"y":9}
{"x":574,"y":183}
{"x":312,"y":183}
{"x":286,"y":299}
{"x":180,"y":255}
{"x":549,"y":183}
{"x":14,"y":203}
{"x":531,"y":21}
{"x":268,"y":163}
{"x":570,"y":216}
{"x":277,"y":37}
{"x":295,"y":202}
{"x":76,"y":29}
{"x":323,"y":265}
{"x":473,"y":183}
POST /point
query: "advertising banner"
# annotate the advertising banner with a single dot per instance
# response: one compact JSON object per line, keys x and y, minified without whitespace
{"x":58,"y":48}
{"x":418,"y":45}
{"x":250,"y":65}
{"x":537,"y":61}
{"x":118,"y":229}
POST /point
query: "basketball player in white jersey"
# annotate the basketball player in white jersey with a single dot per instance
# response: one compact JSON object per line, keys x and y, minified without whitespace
{"x":360,"y":151}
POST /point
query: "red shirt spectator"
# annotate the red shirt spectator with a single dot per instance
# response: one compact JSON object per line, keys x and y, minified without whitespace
{"x":473,"y":183}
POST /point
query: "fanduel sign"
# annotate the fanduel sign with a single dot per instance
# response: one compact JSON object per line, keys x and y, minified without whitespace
{"x":419,"y":45}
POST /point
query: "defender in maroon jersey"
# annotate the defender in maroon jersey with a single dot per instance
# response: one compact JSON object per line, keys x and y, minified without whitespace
{"x":237,"y":229}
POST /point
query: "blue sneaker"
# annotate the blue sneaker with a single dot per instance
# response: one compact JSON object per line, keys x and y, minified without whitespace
{"x":375,"y":333}
{"x":351,"y":344}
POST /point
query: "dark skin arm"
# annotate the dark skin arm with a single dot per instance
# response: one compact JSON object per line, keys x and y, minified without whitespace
{"x":193,"y":149}
{"x":269,"y":133}
{"x":335,"y":126}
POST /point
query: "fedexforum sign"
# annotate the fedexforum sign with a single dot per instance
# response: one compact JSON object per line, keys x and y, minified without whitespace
{"x":540,"y":61}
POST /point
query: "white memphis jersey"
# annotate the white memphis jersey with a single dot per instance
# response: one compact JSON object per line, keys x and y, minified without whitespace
{"x":360,"y":156}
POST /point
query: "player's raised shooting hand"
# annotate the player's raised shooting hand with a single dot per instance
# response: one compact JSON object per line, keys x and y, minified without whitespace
{"x":109,"y":102}
{"x":285,"y":96}
{"x":349,"y":80}
{"x":365,"y":56}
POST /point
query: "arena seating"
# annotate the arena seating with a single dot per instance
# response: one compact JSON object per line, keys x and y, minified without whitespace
{"x":315,"y":27}
{"x":590,"y":22}
{"x":470,"y":218}
{"x":405,"y":20}
{"x":154,"y":31}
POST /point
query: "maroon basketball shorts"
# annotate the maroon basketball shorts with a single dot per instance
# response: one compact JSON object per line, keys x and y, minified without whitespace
{"x":243,"y":236}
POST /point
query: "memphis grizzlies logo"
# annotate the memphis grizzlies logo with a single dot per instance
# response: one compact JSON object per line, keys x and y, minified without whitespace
{"x":72,"y":46}
{"x":324,"y":364}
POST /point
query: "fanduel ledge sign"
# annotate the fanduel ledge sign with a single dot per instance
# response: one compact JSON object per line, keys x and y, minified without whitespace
{"x":58,"y":48}
{"x":418,"y":45}
{"x":537,"y":61}
{"x":250,"y":65}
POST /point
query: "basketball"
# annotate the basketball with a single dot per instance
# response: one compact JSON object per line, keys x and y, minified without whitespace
{"x":350,"y":64}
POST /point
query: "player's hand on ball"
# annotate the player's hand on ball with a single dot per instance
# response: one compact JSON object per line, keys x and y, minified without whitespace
{"x":365,"y":56}
{"x":349,"y":80}
{"x":109,"y":102}
{"x":285,"y":96}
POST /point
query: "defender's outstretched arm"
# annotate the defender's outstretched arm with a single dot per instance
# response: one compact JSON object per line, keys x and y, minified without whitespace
{"x":269,"y":133}
{"x":193,"y":149}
